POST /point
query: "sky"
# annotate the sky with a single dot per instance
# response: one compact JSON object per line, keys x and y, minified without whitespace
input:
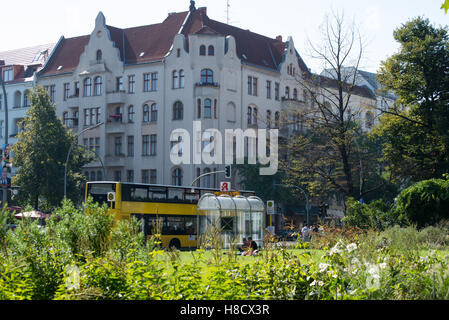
{"x":25,"y":23}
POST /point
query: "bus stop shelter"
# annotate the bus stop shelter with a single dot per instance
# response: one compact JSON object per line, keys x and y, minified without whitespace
{"x":238,"y":217}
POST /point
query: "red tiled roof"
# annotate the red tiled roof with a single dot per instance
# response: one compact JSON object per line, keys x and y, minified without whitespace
{"x":155,"y":42}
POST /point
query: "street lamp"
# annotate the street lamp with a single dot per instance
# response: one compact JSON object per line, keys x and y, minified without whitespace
{"x":70,"y":151}
{"x":306,"y":196}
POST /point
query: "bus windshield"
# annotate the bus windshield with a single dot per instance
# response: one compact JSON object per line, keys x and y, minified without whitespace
{"x":99,"y":191}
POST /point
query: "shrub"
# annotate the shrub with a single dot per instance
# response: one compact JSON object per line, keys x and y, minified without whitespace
{"x":425,"y":203}
{"x":376,"y":215}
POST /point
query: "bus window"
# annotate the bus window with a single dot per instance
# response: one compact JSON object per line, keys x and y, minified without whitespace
{"x":192,"y":197}
{"x":175,"y":226}
{"x":99,"y":192}
{"x":158,"y":194}
{"x":176,"y":194}
{"x":191,"y":226}
{"x":151,"y":222}
{"x":139,"y":194}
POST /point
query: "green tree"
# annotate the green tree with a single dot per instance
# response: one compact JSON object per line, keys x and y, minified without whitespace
{"x":445,"y":6}
{"x":40,"y":156}
{"x":415,"y":130}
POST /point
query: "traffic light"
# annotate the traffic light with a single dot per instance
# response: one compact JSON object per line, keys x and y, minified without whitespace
{"x":228,"y":171}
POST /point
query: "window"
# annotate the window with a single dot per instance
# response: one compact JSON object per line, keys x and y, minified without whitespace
{"x":254,"y":86}
{"x":211,"y":51}
{"x":86,"y":117}
{"x":76,"y":116}
{"x":153,"y":176}
{"x":97,"y":145}
{"x":52,"y":92}
{"x":98,"y":115}
{"x":65,"y":119}
{"x":146,"y":113}
{"x":118,"y":146}
{"x":26,"y":99}
{"x":207,"y":178}
{"x":181,"y":79}
{"x":215,"y":108}
{"x":77,"y":89}
{"x":154,"y":112}
{"x":295,"y":94}
{"x":249,"y":115}
{"x":131,"y":84}
{"x":177,"y":177}
{"x":268,"y":89}
{"x":17,"y":99}
{"x":153,"y":145}
{"x":118,"y":176}
{"x":130,"y":175}
{"x":154,"y":77}
{"x":202,"y":50}
{"x":99,"y":56}
{"x":178,"y":53}
{"x":276,"y":91}
{"x":175,"y":83}
{"x":178,"y":110}
{"x":87,"y":87}
{"x":131,"y":114}
{"x":199,"y":109}
{"x":130,"y":146}
{"x":97,"y":86}
{"x":268,"y":119}
{"x":119,"y":84}
{"x":66,"y":91}
{"x":146,"y":82}
{"x":207,"y":76}
{"x":8,"y":75}
{"x":250,"y":86}
{"x":146,"y":176}
{"x":93,"y":176}
{"x":287,"y":92}
{"x":119,"y":114}
{"x":277,"y":117}
{"x":254,"y":116}
{"x":145,"y":146}
{"x":207,"y":109}
{"x":99,"y":176}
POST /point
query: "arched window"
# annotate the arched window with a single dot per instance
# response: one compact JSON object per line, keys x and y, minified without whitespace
{"x":98,"y":82}
{"x":211,"y":51}
{"x":268,"y":119}
{"x":26,"y":101}
{"x":154,"y":112}
{"x":181,"y":78}
{"x":207,"y":76}
{"x":146,"y":113}
{"x":207,"y":178}
{"x":131,"y":114}
{"x":177,"y":177}
{"x":249,"y":115}
{"x":99,"y":55}
{"x":254,"y":116}
{"x":295,"y":94}
{"x":17,"y":99}
{"x":199,"y":108}
{"x":178,"y":111}
{"x":175,"y":83}
{"x":208,"y":109}
{"x":277,"y":118}
{"x":287,"y":92}
{"x":87,"y":87}
{"x":202,"y":50}
{"x":65,"y":119}
{"x":369,"y":120}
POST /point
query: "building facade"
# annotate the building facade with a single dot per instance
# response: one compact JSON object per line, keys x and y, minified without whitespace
{"x":18,"y":69}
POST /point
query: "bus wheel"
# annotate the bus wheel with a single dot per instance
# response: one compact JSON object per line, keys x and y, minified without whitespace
{"x":175,"y":243}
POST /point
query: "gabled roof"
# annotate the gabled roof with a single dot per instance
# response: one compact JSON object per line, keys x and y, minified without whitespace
{"x":152,"y":43}
{"x":362,"y":91}
{"x":26,"y":56}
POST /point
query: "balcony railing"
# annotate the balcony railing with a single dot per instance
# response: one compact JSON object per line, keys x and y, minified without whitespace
{"x":207,"y":84}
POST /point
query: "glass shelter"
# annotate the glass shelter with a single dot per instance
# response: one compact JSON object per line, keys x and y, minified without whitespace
{"x":238,"y":217}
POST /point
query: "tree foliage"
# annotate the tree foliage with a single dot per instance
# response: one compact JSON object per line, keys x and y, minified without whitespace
{"x":415,"y":130}
{"x":40,"y":156}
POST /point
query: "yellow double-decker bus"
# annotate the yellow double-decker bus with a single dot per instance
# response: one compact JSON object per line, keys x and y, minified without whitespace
{"x":174,"y":207}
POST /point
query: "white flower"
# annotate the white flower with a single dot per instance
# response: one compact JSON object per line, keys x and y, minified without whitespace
{"x":351,"y":247}
{"x":323,"y":267}
{"x":321,"y":283}
{"x":335,"y":276}
{"x":337,"y":248}
{"x":383,"y":265}
{"x":313,"y":283}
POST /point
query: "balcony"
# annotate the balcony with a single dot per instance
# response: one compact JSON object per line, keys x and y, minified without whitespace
{"x":116,"y":97}
{"x":114,"y":161}
{"x":71,"y":102}
{"x":113,"y":126}
{"x":206,"y":88}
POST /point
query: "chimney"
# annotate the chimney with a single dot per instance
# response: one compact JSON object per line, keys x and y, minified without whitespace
{"x":279,"y":38}
{"x":203,"y":10}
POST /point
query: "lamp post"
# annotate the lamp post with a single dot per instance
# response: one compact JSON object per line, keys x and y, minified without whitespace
{"x":306,"y":196}
{"x":70,"y":151}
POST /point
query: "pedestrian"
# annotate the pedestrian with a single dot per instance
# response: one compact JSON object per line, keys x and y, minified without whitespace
{"x":305,"y":232}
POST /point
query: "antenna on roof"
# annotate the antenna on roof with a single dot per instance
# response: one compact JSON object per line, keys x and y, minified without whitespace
{"x":227,"y":11}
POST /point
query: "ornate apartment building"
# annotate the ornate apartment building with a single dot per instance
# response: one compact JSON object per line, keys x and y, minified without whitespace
{"x":18,"y":69}
{"x":125,"y":90}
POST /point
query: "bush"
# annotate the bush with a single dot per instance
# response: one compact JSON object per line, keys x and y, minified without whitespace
{"x":376,"y":215}
{"x":425,"y":203}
